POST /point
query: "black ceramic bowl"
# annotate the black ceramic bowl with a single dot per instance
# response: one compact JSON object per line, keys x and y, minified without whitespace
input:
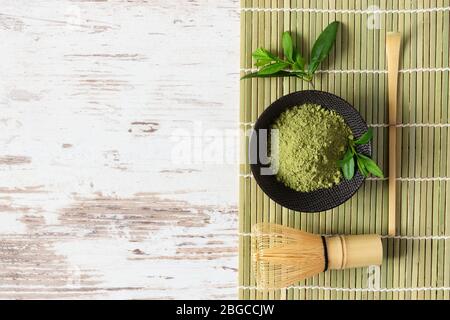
{"x":316,"y":201}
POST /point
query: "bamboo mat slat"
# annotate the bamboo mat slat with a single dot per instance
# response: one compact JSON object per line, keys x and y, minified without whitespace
{"x":417,"y":263}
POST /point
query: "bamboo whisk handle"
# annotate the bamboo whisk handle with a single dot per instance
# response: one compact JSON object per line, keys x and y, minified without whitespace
{"x":348,"y":252}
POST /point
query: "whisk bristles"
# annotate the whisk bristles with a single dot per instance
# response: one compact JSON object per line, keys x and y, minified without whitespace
{"x":283,"y":256}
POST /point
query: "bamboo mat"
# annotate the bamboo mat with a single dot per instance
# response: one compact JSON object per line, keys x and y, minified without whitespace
{"x":417,"y":263}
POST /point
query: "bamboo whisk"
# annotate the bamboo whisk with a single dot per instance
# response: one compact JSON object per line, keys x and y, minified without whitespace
{"x":284,"y":256}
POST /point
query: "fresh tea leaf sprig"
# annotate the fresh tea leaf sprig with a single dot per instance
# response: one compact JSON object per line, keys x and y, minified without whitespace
{"x":353,"y":159}
{"x":294,"y":64}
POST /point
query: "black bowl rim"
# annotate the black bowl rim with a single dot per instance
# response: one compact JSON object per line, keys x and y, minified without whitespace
{"x":366,"y":149}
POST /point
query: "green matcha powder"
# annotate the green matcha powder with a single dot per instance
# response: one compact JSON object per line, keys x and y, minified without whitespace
{"x":312,"y":140}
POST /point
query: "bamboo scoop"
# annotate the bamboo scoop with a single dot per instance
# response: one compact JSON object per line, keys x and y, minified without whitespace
{"x":393,"y":43}
{"x":283,"y":256}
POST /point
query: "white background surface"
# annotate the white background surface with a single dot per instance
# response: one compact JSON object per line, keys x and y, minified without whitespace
{"x":92,"y":98}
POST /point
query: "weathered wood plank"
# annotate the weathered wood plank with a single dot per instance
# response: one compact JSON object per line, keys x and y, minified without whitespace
{"x":94,"y":200}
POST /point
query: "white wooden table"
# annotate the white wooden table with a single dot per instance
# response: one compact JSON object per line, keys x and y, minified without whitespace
{"x":95,"y":99}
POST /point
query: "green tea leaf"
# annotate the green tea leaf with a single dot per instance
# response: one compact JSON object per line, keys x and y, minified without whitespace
{"x":348,"y":168}
{"x":366,"y":138}
{"x":299,"y":61}
{"x":273,"y":68}
{"x":281,"y":74}
{"x":375,"y":169}
{"x":313,"y":66}
{"x":323,"y":46}
{"x":362,"y":167}
{"x":349,"y":154}
{"x":263,"y":54}
{"x":288,"y":46}
{"x":371,"y":166}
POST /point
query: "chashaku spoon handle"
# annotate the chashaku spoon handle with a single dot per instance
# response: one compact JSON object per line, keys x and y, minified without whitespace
{"x":393,"y":44}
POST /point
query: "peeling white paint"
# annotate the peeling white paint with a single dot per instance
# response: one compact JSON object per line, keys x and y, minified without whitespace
{"x":10,"y":223}
{"x":92,"y":75}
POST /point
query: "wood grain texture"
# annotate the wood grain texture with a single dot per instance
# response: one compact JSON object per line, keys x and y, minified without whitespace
{"x":92,"y":94}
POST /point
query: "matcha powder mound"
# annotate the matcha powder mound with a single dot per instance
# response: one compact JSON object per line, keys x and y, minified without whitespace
{"x":312,"y":140}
